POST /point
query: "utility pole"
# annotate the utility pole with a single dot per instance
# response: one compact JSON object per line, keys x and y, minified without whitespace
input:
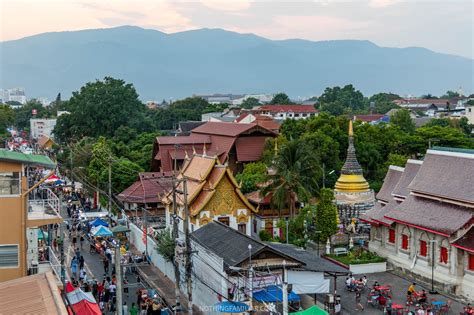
{"x":118,"y":274}
{"x":175,"y":237}
{"x":110,"y":187}
{"x":285,"y":289}
{"x":188,"y":249}
{"x":324,"y":176}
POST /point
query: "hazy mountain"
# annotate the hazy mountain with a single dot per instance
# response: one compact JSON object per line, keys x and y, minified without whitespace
{"x":213,"y":60}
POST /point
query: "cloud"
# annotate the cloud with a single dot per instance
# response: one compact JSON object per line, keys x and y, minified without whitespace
{"x":226,"y":5}
{"x":382,"y":3}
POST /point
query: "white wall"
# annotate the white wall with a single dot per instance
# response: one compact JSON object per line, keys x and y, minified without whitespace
{"x":470,"y":114}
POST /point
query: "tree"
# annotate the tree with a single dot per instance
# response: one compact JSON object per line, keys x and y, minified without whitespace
{"x":100,"y":108}
{"x":253,"y":174}
{"x":344,"y":100}
{"x":7,"y":117}
{"x":280,"y":98}
{"x":25,"y":113}
{"x":295,"y":177}
{"x":165,"y":245}
{"x":250,"y":103}
{"x":326,"y":216}
{"x":465,"y":126}
{"x":402,"y":119}
{"x":450,"y":94}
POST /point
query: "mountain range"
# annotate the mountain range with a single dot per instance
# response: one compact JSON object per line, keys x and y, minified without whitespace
{"x":176,"y":65}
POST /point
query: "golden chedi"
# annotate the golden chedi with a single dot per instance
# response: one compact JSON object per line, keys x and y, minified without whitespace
{"x":352,"y":192}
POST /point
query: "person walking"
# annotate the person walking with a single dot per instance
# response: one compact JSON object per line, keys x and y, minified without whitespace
{"x":105,"y":261}
{"x":81,"y":262}
{"x":357,"y":298}
{"x":133,"y":309}
{"x":81,"y":239}
{"x":74,"y":266}
{"x":78,"y":253}
{"x":74,"y":241}
{"x":124,"y":309}
{"x":82,"y":274}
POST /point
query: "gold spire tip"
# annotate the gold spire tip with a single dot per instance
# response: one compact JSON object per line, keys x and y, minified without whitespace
{"x":351,"y":132}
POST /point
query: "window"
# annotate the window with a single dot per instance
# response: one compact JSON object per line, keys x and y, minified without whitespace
{"x":224,"y":220}
{"x":470,"y":262}
{"x":443,"y":255}
{"x":423,"y":248}
{"x":242,"y":227}
{"x":254,"y":226}
{"x":9,"y":256}
{"x":10,"y":183}
{"x":404,"y":241}
{"x":391,"y":236}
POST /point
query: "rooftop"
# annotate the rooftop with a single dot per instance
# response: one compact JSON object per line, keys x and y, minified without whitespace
{"x":390,"y":181}
{"x":411,"y":169}
{"x":288,"y":108}
{"x":225,"y":128}
{"x":466,"y":242}
{"x":31,"y":159}
{"x":37,"y":294}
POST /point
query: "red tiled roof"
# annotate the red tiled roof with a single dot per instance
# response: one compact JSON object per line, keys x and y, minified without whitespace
{"x":256,"y":198}
{"x":241,"y":117}
{"x":431,"y":215}
{"x":368,"y":118}
{"x":148,"y":188}
{"x":223,"y":128}
{"x":191,"y":139}
{"x":249,"y":148}
{"x":267,"y":122}
{"x":288,"y":108}
{"x":466,"y":242}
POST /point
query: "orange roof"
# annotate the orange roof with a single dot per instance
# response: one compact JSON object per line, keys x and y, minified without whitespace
{"x":37,"y":294}
{"x":43,"y":140}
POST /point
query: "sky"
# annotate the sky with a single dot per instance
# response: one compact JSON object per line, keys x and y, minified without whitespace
{"x":444,"y":26}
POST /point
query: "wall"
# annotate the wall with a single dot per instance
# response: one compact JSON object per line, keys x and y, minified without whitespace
{"x":12,"y":224}
{"x":470,"y":114}
{"x":368,"y":268}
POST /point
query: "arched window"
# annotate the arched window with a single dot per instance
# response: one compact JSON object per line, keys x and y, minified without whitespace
{"x":444,"y":252}
{"x":405,"y":243}
{"x":423,"y":245}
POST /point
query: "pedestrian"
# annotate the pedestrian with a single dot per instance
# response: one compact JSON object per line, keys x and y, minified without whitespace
{"x":337,"y":308}
{"x":105,"y":261}
{"x":81,"y":262}
{"x":78,"y":253}
{"x":124,"y":309}
{"x":125,"y":286}
{"x":81,"y":239}
{"x":357,"y":298}
{"x":55,"y":244}
{"x":74,"y":241}
{"x":74,"y":266}
{"x":112,"y":289}
{"x":108,"y":253}
{"x":82,"y":274}
{"x":95,"y":289}
{"x":133,"y":309}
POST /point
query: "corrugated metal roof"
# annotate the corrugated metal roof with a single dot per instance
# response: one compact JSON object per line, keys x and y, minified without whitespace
{"x":33,"y":159}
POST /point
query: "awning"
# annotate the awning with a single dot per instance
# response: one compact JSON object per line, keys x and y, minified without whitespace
{"x":313,"y":310}
{"x":42,"y":235}
{"x":102,"y":231}
{"x":119,"y":229}
{"x":272,"y":294}
{"x":231,"y":307}
{"x":98,"y":222}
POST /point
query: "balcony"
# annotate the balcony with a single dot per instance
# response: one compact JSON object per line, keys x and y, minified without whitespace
{"x":43,"y":208}
{"x":46,"y":262}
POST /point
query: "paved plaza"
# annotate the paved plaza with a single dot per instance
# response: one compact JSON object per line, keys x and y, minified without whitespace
{"x":399,"y":289}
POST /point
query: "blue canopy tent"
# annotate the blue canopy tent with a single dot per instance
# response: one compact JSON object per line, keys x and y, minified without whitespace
{"x":273,"y":294}
{"x":98,"y":222}
{"x":231,"y":307}
{"x":102,"y":231}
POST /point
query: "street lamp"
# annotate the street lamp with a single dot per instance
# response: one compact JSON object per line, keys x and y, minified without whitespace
{"x":432,"y":244}
{"x":324,"y":174}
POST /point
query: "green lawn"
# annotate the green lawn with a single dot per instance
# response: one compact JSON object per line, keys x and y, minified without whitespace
{"x":358,"y":258}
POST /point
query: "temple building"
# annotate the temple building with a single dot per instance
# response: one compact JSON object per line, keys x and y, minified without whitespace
{"x":233,"y":143}
{"x":212,"y":194}
{"x":425,"y":226}
{"x":352,"y":192}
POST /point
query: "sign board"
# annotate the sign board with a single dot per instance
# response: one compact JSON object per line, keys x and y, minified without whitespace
{"x":34,"y":111}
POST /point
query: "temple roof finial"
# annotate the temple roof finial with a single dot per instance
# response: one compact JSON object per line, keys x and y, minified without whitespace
{"x":351,"y":131}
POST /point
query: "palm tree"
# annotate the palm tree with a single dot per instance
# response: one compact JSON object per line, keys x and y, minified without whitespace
{"x":294,"y":176}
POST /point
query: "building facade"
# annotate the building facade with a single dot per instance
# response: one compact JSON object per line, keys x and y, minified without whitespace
{"x":352,"y":192}
{"x":42,"y":127}
{"x":212,"y":195}
{"x":282,"y":112}
{"x":427,"y":225}
{"x":18,"y":213}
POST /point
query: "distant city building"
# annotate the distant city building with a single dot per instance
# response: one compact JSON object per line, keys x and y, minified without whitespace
{"x":13,"y":95}
{"x":352,"y":192}
{"x":42,"y":127}
{"x":262,"y":98}
{"x":434,"y":107}
{"x":219,"y":98}
{"x":282,"y":112}
{"x":470,"y":113}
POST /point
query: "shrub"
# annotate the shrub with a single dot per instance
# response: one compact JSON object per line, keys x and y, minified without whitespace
{"x":265,"y":236}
